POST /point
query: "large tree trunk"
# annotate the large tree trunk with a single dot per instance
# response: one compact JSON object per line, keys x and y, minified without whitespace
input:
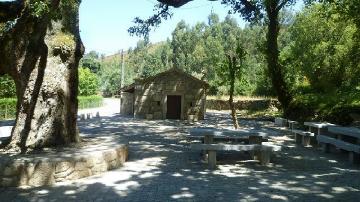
{"x":41,"y":53}
{"x":272,"y":53}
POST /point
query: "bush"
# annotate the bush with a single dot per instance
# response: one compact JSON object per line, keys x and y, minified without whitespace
{"x":335,"y":107}
{"x":88,"y":82}
{"x":7,"y":87}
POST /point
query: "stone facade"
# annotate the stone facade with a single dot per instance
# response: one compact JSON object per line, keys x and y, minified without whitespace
{"x":150,"y":95}
{"x":127,"y":103}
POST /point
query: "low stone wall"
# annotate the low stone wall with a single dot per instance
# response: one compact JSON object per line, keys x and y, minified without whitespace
{"x":243,"y":104}
{"x":47,"y":169}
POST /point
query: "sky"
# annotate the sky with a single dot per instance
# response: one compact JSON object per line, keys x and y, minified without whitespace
{"x":104,"y":23}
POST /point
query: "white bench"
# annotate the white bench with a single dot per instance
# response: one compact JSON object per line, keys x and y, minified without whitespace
{"x":303,"y":137}
{"x":264,"y":151}
{"x":339,"y":141}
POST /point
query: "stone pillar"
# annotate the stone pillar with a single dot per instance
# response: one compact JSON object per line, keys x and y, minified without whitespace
{"x":354,"y":158}
{"x":212,"y":159}
{"x":305,"y":140}
{"x":265,"y":156}
{"x":208,"y":139}
{"x":255,"y":140}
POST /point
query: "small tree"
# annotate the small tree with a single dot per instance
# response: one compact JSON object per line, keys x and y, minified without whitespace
{"x":235,"y":64}
{"x":88,"y":82}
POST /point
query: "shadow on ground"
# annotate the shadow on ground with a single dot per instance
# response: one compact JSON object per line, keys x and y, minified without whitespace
{"x":162,"y":168}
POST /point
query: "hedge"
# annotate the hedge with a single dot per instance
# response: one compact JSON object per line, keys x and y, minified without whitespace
{"x":8,"y":105}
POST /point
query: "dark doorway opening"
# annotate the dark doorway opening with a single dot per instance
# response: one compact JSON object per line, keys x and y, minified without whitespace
{"x":173,"y":107}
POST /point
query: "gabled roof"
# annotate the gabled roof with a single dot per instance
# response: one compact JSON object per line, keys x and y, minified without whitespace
{"x":130,"y":87}
{"x":171,"y":71}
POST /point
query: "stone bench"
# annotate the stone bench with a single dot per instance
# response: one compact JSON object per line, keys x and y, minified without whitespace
{"x":280,"y":122}
{"x":340,"y":139}
{"x":228,"y":138}
{"x":303,"y":137}
{"x":264,"y":151}
{"x":292,"y":124}
{"x":63,"y":164}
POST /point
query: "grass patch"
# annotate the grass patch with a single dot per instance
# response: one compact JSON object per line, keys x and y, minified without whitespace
{"x":92,"y":101}
{"x":238,"y":97}
{"x":254,"y":114}
{"x":8,"y":105}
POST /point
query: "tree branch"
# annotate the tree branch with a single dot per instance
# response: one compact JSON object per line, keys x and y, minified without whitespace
{"x":143,"y":27}
{"x":175,"y":3}
{"x":10,"y":10}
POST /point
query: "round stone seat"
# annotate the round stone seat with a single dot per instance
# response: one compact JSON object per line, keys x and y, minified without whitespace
{"x":93,"y":156}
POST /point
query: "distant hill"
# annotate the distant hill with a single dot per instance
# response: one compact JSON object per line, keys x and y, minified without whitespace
{"x":117,"y":56}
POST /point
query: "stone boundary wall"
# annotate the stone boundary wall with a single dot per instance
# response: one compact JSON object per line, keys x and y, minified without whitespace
{"x":47,"y":171}
{"x":243,"y":104}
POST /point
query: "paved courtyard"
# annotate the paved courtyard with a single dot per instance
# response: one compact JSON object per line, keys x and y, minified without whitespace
{"x":162,"y":168}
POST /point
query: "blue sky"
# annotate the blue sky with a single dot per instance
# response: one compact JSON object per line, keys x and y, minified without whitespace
{"x":104,"y":23}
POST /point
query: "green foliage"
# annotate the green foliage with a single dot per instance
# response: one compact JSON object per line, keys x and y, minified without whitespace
{"x":335,"y":107}
{"x":7,"y":108}
{"x":110,"y":76}
{"x":321,"y":57}
{"x":88,"y":82}
{"x":7,"y":87}
{"x":91,"y":61}
{"x":199,"y":50}
{"x":39,"y":8}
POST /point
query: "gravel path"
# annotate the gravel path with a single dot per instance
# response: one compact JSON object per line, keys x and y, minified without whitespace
{"x":162,"y":168}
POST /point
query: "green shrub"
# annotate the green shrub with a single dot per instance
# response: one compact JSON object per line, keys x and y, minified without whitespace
{"x":335,"y":107}
{"x":7,"y":87}
{"x":88,"y":82}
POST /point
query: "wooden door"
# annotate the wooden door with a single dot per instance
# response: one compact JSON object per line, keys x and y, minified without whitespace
{"x":173,"y":107}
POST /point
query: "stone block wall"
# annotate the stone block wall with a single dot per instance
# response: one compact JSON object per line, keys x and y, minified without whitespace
{"x":127,"y":103}
{"x":151,"y":97}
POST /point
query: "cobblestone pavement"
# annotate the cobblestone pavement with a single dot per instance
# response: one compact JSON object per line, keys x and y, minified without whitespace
{"x":162,"y":168}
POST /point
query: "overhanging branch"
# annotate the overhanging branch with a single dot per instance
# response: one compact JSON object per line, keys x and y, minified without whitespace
{"x":174,"y":3}
{"x":143,"y":27}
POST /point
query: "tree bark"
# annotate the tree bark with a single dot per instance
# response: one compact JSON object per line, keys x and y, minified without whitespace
{"x":41,"y":53}
{"x":232,"y":64}
{"x":272,"y":53}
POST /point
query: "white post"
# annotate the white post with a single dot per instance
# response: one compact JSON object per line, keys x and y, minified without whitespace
{"x":122,"y":75}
